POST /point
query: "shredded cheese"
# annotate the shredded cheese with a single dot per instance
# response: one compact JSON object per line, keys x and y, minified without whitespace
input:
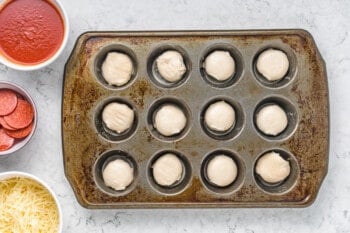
{"x":27,"y":207}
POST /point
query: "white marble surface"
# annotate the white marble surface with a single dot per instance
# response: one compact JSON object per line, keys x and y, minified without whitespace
{"x":328,"y":21}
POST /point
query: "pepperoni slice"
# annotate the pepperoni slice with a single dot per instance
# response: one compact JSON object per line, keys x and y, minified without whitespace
{"x":20,"y":133}
{"x":22,"y":116}
{"x":4,"y":124}
{"x":8,"y":101}
{"x":6,"y":142}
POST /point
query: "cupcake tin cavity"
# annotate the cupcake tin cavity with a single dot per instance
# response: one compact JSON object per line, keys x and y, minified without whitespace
{"x":156,"y":106}
{"x":101,"y":164}
{"x":100,"y":58}
{"x":152,"y":68}
{"x":235,"y":185}
{"x":88,"y":145}
{"x":235,"y":130}
{"x":107,"y":133}
{"x":234,"y":53}
{"x":179,"y":185}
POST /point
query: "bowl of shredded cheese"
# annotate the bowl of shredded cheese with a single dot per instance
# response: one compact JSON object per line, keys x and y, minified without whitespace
{"x":28,"y":205}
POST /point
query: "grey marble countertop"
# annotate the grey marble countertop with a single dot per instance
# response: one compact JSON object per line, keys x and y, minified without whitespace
{"x":329,"y":23}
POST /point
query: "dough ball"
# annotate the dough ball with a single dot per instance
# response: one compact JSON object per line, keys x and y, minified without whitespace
{"x":118,"y":117}
{"x":167,"y":169}
{"x":171,"y":66}
{"x":220,"y":65}
{"x":118,"y":174}
{"x":169,"y":120}
{"x":272,"y":168}
{"x":272,"y":120}
{"x":273,"y":64}
{"x":117,"y":69}
{"x":220,"y":116}
{"x":222,"y":170}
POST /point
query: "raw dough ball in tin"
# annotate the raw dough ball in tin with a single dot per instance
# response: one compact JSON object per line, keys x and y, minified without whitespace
{"x":272,"y":120}
{"x":222,"y":170}
{"x":272,"y":168}
{"x":118,"y":117}
{"x":220,"y":116}
{"x":220,"y":65}
{"x":273,"y":64}
{"x":171,"y":66}
{"x":167,"y":169}
{"x":169,"y":120}
{"x":118,"y":174}
{"x":117,"y":68}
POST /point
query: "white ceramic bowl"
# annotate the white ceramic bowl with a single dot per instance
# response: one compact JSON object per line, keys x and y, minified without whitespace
{"x":17,"y":66}
{"x":18,"y":145}
{"x":12,"y":174}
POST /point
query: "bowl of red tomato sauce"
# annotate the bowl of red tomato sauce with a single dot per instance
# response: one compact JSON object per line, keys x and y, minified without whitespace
{"x":33,"y":33}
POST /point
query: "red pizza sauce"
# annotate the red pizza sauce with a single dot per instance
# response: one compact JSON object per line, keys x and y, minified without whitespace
{"x":31,"y":31}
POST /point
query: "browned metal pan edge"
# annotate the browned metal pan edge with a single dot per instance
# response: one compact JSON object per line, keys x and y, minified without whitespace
{"x":319,"y":56}
{"x":251,"y":205}
{"x":201,"y":32}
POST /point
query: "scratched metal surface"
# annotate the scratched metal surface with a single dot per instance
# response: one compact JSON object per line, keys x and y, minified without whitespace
{"x":305,"y":93}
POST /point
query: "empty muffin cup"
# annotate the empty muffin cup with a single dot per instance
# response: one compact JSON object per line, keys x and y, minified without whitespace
{"x":122,"y":172}
{"x":169,"y":172}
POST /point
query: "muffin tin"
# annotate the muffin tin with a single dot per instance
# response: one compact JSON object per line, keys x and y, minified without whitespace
{"x":88,"y":145}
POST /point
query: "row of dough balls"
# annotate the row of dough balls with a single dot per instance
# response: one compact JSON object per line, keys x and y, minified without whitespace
{"x":171,"y":120}
{"x":117,"y":68}
{"x":221,"y":171}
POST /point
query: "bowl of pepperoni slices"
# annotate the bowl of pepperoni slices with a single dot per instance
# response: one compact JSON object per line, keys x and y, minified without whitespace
{"x":18,"y":117}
